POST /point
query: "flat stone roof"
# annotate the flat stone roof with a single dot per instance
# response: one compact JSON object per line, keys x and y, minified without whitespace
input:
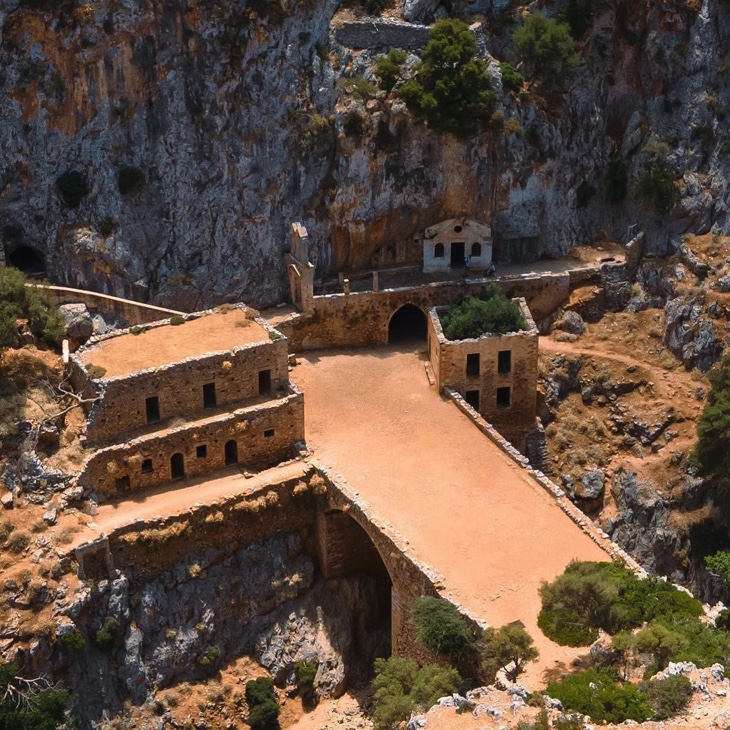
{"x":157,"y":346}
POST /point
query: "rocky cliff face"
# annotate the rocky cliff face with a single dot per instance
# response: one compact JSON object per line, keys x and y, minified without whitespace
{"x":263,"y":600}
{"x":234,"y":116}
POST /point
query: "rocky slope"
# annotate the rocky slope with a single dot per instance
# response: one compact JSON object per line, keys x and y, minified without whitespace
{"x":234,"y":117}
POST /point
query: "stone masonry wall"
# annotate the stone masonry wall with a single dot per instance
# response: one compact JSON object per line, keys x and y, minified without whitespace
{"x":179,"y":388}
{"x":265,"y":435}
{"x":362,"y":318}
{"x":449,"y":364}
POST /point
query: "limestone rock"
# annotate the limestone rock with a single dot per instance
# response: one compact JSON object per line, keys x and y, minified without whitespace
{"x":572,"y":323}
{"x":7,"y":500}
{"x":78,"y":321}
{"x":591,"y":485}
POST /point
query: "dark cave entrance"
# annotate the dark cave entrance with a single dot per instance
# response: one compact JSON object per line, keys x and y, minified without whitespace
{"x":408,"y":324}
{"x":27,"y":259}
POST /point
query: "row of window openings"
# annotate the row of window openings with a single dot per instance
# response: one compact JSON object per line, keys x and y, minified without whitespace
{"x":504,"y":363}
{"x":439,"y":252}
{"x":201,"y":452}
{"x":152,"y":404}
{"x":504,"y":398}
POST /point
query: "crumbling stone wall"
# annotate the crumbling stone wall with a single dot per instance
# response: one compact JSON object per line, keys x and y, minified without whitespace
{"x":362,"y":318}
{"x":178,"y":386}
{"x":517,"y":374}
{"x":264,"y":435}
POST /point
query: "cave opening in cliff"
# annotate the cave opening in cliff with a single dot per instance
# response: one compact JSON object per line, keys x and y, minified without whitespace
{"x":27,"y":259}
{"x":408,"y":324}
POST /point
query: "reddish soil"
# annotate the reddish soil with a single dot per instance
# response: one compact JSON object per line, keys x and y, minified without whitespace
{"x":466,"y":509}
{"x":158,"y":346}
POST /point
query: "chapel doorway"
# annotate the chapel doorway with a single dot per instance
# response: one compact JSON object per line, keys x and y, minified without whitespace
{"x":457,"y":255}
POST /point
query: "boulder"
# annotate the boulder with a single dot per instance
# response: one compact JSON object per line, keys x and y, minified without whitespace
{"x":79,"y":324}
{"x":7,"y":500}
{"x":591,"y":484}
{"x":572,"y":323}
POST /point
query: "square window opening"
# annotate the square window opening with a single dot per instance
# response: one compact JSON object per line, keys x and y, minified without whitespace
{"x":504,"y":361}
{"x":264,"y":382}
{"x":472,"y":398}
{"x":504,"y":397}
{"x":268,"y":433}
{"x":209,"y":400}
{"x":152,"y":407}
{"x":201,"y":451}
{"x":472,"y":365}
{"x":147,"y":466}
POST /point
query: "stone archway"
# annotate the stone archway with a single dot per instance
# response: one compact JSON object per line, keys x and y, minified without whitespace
{"x":408,"y":324}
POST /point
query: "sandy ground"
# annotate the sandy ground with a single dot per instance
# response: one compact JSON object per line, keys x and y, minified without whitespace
{"x":162,"y":345}
{"x":467,"y":510}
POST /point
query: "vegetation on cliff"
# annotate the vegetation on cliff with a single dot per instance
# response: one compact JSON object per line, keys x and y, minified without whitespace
{"x":450,"y":88}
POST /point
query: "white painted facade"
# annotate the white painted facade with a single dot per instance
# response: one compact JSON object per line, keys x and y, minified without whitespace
{"x":447,"y":243}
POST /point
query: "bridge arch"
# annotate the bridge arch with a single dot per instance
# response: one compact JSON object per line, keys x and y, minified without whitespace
{"x":407,"y":324}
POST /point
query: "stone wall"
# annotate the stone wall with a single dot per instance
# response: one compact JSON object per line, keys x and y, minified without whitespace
{"x":133,"y":313}
{"x":518,"y":377}
{"x":362,"y":318}
{"x":178,"y":387}
{"x":382,"y":35}
{"x":264,"y":435}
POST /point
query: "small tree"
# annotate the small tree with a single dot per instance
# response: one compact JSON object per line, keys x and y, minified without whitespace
{"x":545,"y":48}
{"x":30,"y":704}
{"x":475,"y":316}
{"x":442,"y":629}
{"x":450,"y":87}
{"x":509,"y":647}
{"x":388,"y":68}
{"x":656,"y":185}
{"x":712,"y":450}
{"x":669,"y":696}
{"x":263,"y":706}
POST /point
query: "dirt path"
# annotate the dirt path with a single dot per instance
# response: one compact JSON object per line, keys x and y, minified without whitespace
{"x":467,"y":510}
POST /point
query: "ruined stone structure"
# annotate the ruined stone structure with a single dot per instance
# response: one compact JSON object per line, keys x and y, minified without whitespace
{"x":446,"y":244}
{"x":495,"y":374}
{"x":176,"y":401}
{"x":300,"y":269}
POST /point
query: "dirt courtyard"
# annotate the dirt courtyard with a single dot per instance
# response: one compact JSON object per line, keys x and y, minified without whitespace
{"x":466,"y":509}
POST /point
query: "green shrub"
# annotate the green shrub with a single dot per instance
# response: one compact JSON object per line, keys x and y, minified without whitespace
{"x":209,"y":657}
{"x":352,"y":124}
{"x":72,"y":188}
{"x":130,"y":180}
{"x":176,"y":320}
{"x":712,"y":449}
{"x":596,"y":692}
{"x":108,"y":635}
{"x":47,"y":711}
{"x":545,"y":47}
{"x":512,"y":125}
{"x":656,"y":185}
{"x":668,"y":697}
{"x":401,"y":687}
{"x":441,"y":628}
{"x":263,"y":704}
{"x":388,"y":68}
{"x":305,"y":671}
{"x":472,"y":317}
{"x":589,"y":596}
{"x":73,"y":639}
{"x":512,"y":79}
{"x":450,"y":88}
{"x":95,"y":371}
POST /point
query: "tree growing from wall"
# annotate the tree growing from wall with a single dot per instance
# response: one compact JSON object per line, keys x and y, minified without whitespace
{"x":450,"y":88}
{"x":509,"y":647}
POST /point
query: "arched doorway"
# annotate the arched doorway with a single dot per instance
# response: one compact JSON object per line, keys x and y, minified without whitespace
{"x":27,"y":259}
{"x":231,"y":449}
{"x":408,"y":324}
{"x":177,"y":466}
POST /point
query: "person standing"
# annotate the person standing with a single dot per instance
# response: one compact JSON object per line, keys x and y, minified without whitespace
{"x":467,"y":264}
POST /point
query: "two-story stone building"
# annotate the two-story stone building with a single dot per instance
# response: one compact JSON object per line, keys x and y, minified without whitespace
{"x":496,"y":374}
{"x":186,"y":397}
